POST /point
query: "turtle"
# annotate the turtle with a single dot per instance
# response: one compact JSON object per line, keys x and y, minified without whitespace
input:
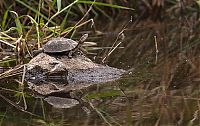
{"x":61,"y":45}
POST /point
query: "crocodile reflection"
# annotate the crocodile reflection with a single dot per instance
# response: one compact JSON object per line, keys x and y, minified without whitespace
{"x":47,"y":74}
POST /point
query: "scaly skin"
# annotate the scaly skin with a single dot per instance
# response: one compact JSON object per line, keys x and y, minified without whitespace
{"x":80,"y":43}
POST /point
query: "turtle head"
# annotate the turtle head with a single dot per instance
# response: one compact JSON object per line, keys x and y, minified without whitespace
{"x":80,"y":43}
{"x":83,"y":38}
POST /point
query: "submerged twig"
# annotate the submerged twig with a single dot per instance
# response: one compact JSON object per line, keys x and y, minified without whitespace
{"x":17,"y":106}
{"x":21,"y":87}
{"x":100,"y":114}
{"x":156,"y":46}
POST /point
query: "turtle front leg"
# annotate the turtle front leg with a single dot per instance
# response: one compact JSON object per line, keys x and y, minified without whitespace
{"x":70,"y":54}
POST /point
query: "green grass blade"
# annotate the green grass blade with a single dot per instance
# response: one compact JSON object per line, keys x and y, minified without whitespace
{"x":4,"y":62}
{"x":59,"y":2}
{"x":37,"y":16}
{"x":4,"y":20}
{"x":56,"y":14}
{"x":34,"y":10}
{"x":104,"y":4}
{"x":37,"y":29}
{"x":18,"y":23}
{"x":63,"y":24}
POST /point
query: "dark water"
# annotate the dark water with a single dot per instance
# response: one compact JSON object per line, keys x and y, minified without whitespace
{"x":160,"y":89}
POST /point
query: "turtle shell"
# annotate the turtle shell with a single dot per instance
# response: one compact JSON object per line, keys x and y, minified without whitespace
{"x":59,"y":45}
